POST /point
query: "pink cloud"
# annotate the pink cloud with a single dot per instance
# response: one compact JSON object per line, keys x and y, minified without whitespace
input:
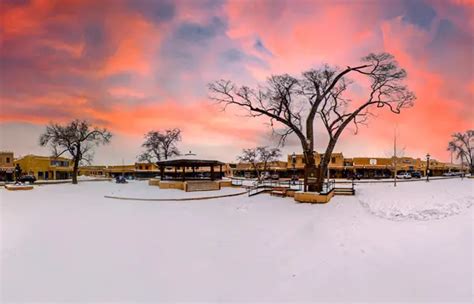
{"x":109,"y":63}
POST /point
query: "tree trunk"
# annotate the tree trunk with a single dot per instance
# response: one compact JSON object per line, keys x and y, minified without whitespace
{"x":75,"y":170}
{"x":324,"y":164}
{"x":309,"y":170}
{"x":257,"y":172}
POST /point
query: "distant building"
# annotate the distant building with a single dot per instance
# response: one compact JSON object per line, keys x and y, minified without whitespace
{"x":147,"y":170}
{"x":7,"y":167}
{"x":340,"y":167}
{"x":99,"y":171}
{"x":46,"y":167}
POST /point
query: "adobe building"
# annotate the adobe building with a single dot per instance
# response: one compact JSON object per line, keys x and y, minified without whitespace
{"x":142,"y":170}
{"x":248,"y":171}
{"x":94,"y":171}
{"x":7,"y":167}
{"x":45,"y":167}
{"x":136,"y":170}
{"x":341,"y":167}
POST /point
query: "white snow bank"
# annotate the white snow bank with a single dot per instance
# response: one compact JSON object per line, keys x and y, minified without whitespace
{"x":418,"y":201}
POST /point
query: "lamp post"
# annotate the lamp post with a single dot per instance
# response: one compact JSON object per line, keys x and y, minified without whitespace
{"x":428,"y":167}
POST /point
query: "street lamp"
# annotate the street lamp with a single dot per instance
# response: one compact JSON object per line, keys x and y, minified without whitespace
{"x":428,"y":167}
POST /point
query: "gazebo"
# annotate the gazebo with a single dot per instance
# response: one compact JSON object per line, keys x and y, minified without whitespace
{"x":188,"y":173}
{"x":192,"y":164}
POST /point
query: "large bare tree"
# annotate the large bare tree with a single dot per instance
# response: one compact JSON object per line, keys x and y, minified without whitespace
{"x":259,"y":158}
{"x":160,"y":145}
{"x":292,"y":104}
{"x":77,"y":138}
{"x":337,"y":111}
{"x":463,"y":145}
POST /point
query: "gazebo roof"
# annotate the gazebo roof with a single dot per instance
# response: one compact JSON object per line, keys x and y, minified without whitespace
{"x":188,"y":160}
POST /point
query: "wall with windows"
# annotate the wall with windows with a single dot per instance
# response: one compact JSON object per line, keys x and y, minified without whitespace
{"x":45,"y":167}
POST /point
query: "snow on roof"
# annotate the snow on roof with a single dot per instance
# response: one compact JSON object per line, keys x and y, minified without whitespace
{"x":189,"y":158}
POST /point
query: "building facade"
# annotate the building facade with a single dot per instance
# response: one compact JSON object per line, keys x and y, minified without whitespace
{"x":362,"y":167}
{"x":46,"y":167}
{"x":94,"y":171}
{"x":7,"y":167}
{"x":150,"y":170}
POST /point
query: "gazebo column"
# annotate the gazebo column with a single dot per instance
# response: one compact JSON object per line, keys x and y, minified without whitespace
{"x":175,"y":172}
{"x":212,"y":172}
{"x":220,"y":171}
{"x":162,"y":172}
{"x":184,"y":173}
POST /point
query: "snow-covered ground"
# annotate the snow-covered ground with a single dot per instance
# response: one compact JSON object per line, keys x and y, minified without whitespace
{"x":69,"y":243}
{"x":419,"y":201}
{"x":141,"y":190}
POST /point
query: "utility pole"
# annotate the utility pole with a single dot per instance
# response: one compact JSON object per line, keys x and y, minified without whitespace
{"x":428,"y":167}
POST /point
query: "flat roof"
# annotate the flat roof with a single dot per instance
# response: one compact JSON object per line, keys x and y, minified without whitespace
{"x":186,"y":162}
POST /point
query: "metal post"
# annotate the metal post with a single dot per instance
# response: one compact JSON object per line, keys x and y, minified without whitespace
{"x":428,"y":167}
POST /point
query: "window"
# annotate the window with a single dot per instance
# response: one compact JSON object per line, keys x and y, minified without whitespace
{"x":333,"y":159}
{"x":8,"y":160}
{"x":373,"y":161}
{"x":59,"y":163}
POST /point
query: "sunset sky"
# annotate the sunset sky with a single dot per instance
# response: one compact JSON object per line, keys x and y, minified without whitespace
{"x":133,"y":66}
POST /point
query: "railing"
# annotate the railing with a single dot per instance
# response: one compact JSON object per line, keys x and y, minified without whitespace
{"x":294,"y":185}
{"x":237,"y":182}
{"x":266,"y":185}
{"x":251,"y":191}
{"x":328,"y":186}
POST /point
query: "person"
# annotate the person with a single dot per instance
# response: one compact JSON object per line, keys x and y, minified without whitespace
{"x":17,"y":172}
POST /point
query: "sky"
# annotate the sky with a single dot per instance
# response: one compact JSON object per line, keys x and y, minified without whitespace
{"x":135,"y":66}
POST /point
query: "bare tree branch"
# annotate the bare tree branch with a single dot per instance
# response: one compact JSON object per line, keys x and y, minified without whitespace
{"x":76,"y":138}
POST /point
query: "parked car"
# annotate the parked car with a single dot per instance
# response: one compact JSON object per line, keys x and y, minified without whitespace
{"x":120,"y":179}
{"x":416,"y":174}
{"x":404,"y":175}
{"x":275,"y":176}
{"x":448,"y":174}
{"x":356,"y":176}
{"x":27,"y":179}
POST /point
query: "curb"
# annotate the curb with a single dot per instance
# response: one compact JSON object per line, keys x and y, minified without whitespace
{"x":173,"y":199}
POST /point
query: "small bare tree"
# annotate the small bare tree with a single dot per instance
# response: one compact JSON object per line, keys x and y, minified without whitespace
{"x":463,"y":145}
{"x":78,"y":138}
{"x":295,"y":102}
{"x":160,"y":145}
{"x":259,"y":158}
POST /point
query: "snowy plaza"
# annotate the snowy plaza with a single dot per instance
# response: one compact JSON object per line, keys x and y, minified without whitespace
{"x":409,"y":244}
